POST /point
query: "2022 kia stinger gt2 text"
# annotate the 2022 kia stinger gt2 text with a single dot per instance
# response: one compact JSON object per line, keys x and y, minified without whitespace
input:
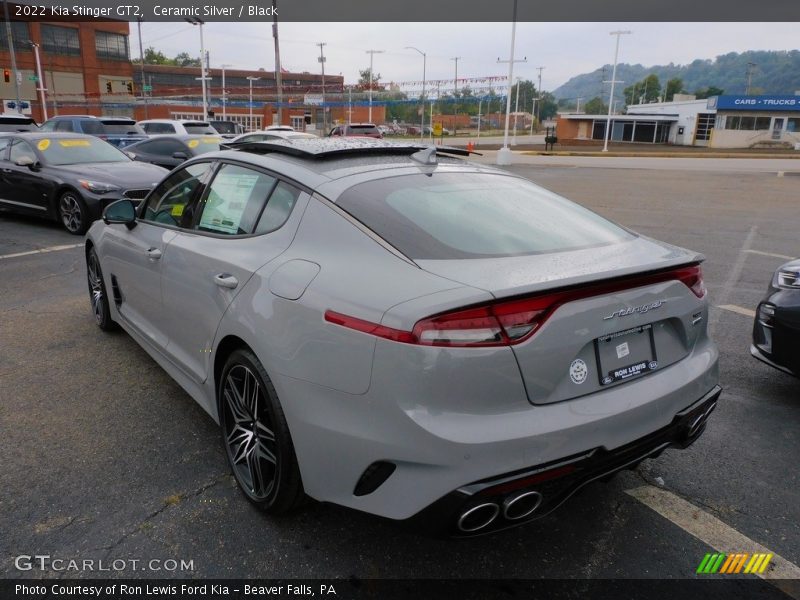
{"x":388,"y":327}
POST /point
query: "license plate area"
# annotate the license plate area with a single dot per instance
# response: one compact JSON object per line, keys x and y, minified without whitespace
{"x":626,"y":354}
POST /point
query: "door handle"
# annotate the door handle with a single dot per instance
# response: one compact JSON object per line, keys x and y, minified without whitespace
{"x":226,"y":280}
{"x":153,"y":253}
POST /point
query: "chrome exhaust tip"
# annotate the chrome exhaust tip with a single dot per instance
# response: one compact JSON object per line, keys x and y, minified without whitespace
{"x":522,"y":505}
{"x":700,"y":421}
{"x":478,"y":517}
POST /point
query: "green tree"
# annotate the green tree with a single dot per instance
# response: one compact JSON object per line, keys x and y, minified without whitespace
{"x":708,"y":92}
{"x":595,"y":106}
{"x":365,"y":81}
{"x":674,"y":86}
{"x":155,"y":57}
{"x":184,"y":60}
{"x":644,"y":91}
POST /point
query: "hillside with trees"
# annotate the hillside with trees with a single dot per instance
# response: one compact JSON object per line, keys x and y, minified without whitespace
{"x":770,"y":72}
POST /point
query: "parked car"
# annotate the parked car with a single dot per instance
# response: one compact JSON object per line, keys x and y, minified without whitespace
{"x":17,"y":122}
{"x":169,"y":151}
{"x":356,"y":129}
{"x":117,"y":131}
{"x":227,"y":129}
{"x":776,"y":330}
{"x":382,"y":326}
{"x":273,"y":134}
{"x":385,"y":130}
{"x":180,"y":126}
{"x":279,"y":128}
{"x":68,"y":177}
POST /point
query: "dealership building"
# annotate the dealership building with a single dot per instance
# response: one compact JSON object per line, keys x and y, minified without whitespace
{"x":726,"y":121}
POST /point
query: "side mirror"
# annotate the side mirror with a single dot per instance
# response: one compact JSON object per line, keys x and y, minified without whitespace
{"x":120,"y":212}
{"x":27,"y":161}
{"x":180,"y":155}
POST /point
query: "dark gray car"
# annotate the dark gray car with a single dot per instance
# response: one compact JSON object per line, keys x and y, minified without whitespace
{"x":169,"y":151}
{"x":68,"y":177}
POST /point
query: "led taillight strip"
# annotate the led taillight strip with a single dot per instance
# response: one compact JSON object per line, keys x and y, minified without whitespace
{"x":509,"y":322}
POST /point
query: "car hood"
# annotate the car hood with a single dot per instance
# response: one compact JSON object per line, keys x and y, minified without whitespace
{"x":124,"y":174}
{"x":514,"y":275}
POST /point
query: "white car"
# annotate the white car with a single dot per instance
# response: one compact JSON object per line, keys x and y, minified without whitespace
{"x":181,"y":126}
{"x":272,"y":134}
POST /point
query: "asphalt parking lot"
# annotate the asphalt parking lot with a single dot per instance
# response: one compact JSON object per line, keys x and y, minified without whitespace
{"x":105,"y":457}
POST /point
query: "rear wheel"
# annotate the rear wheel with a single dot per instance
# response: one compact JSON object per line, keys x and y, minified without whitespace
{"x":73,"y":213}
{"x":256,"y":436}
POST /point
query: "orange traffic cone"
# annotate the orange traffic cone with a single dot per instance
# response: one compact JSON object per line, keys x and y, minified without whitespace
{"x":470,"y":146}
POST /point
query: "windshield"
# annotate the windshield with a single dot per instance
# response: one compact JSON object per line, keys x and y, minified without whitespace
{"x":199,"y":128}
{"x":474,"y":215}
{"x":78,"y":150}
{"x":122,"y":128}
{"x":224,"y":126}
{"x":201,"y":145}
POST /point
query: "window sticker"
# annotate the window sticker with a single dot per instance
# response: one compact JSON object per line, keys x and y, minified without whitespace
{"x":193,"y":143}
{"x":43,"y":145}
{"x":73,"y":143}
{"x":227,"y":201}
{"x":210,"y":140}
{"x":177,"y":210}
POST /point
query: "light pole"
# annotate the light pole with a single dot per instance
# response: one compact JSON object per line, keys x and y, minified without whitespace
{"x":533,"y":112}
{"x":504,"y":154}
{"x":203,"y":78}
{"x":539,"y":104}
{"x":455,"y":97}
{"x":141,"y":66}
{"x":278,"y":74}
{"x":321,"y":60}
{"x":224,"y":95}
{"x":422,"y":98}
{"x":10,"y":39}
{"x":251,"y":79}
{"x":750,"y":67}
{"x":41,"y":89}
{"x":372,"y":54}
{"x":613,"y":82}
{"x":516,"y":110}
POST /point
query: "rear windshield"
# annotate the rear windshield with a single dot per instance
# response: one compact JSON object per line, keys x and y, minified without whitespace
{"x":92,"y":127}
{"x":474,"y":215}
{"x":224,"y":126}
{"x":364,"y":129}
{"x":75,"y":151}
{"x":123,"y":128}
{"x":199,"y":128}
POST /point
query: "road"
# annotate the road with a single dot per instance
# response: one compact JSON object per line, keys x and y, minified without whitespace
{"x":105,"y":457}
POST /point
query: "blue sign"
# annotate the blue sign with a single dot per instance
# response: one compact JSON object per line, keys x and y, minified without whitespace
{"x":757,"y":103}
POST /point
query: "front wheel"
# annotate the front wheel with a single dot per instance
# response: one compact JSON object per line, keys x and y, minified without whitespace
{"x":256,"y":436}
{"x":73,"y":213}
{"x":97,"y":293}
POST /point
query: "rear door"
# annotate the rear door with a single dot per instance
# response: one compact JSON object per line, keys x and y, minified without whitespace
{"x":237,"y":229}
{"x":22,"y":187}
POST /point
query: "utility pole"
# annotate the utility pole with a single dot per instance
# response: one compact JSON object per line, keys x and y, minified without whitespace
{"x":141,"y":65}
{"x":224,"y":95}
{"x":578,"y":106}
{"x":278,"y":75}
{"x":41,"y":89}
{"x":251,"y":79}
{"x":203,"y":58}
{"x":372,"y":54}
{"x":613,"y":82}
{"x":504,"y":154}
{"x":750,"y":67}
{"x":516,"y":111}
{"x":539,"y":104}
{"x":10,"y":38}
{"x":422,"y":98}
{"x":321,"y":60}
{"x":455,"y":98}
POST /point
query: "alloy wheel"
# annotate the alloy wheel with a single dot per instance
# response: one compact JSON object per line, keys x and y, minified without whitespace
{"x":71,"y":213}
{"x":96,"y":295}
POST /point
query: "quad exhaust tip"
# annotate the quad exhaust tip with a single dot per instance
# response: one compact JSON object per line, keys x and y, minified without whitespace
{"x":521,"y":505}
{"x":478,"y":517}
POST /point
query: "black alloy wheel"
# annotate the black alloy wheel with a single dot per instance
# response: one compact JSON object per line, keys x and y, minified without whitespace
{"x":97,"y":292}
{"x":73,"y":213}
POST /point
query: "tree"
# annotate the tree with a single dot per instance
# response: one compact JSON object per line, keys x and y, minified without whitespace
{"x":155,"y":57}
{"x":184,"y":60}
{"x":674,"y":86}
{"x":595,"y":106}
{"x":644,"y":91}
{"x":365,"y":81}
{"x":708,"y":92}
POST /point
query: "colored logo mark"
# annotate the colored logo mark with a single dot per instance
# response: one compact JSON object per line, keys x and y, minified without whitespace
{"x":734,"y":563}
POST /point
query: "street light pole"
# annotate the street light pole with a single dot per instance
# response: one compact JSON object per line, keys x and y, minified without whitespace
{"x":10,"y":38}
{"x":372,"y":54}
{"x":422,"y":98}
{"x":251,"y":79}
{"x":141,"y":67}
{"x":613,"y":82}
{"x":278,"y":74}
{"x":321,"y":60}
{"x":455,"y":98}
{"x":203,"y":78}
{"x":516,"y":110}
{"x":224,"y":95}
{"x":41,"y":89}
{"x":539,"y":104}
{"x":504,"y":154}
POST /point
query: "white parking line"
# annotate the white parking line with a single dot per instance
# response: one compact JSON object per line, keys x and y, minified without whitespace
{"x":713,"y":532}
{"x":738,"y":309}
{"x":41,"y":251}
{"x":770,"y":254}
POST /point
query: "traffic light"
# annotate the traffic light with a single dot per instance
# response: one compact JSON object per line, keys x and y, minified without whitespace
{"x":109,"y":89}
{"x":7,"y":75}
{"x":130,"y":87}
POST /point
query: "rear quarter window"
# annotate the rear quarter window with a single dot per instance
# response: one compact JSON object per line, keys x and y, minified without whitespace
{"x":461,"y":215}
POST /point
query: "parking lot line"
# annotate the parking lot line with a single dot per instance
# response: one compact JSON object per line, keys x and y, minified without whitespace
{"x":720,"y":536}
{"x":738,"y":309}
{"x":770,"y":254}
{"x":41,"y":251}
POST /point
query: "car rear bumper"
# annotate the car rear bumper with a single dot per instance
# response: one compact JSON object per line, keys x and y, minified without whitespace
{"x":518,"y":497}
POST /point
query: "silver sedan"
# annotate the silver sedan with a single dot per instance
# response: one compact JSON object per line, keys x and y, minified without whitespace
{"x":391,"y":328}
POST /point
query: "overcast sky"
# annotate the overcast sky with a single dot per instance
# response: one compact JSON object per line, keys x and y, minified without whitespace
{"x":564,"y":49}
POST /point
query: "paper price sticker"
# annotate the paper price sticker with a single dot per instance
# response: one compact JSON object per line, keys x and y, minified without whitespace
{"x":193,"y":143}
{"x":43,"y":145}
{"x":73,"y":143}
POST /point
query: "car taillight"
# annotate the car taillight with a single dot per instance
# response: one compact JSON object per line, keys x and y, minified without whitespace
{"x":509,"y":322}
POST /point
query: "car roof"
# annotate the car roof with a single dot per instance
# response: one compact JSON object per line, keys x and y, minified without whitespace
{"x":37,"y":135}
{"x":181,"y":121}
{"x":62,"y":117}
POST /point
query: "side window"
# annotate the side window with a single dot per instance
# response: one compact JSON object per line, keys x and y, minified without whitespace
{"x":162,"y":147}
{"x":279,"y":207}
{"x":48,"y":126}
{"x":64,"y":125}
{"x":20,"y":149}
{"x":234,"y":200}
{"x":3,"y":147}
{"x":171,"y":202}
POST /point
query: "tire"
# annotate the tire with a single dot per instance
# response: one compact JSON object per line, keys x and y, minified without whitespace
{"x":256,"y":437}
{"x":97,"y":293}
{"x":72,"y":212}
